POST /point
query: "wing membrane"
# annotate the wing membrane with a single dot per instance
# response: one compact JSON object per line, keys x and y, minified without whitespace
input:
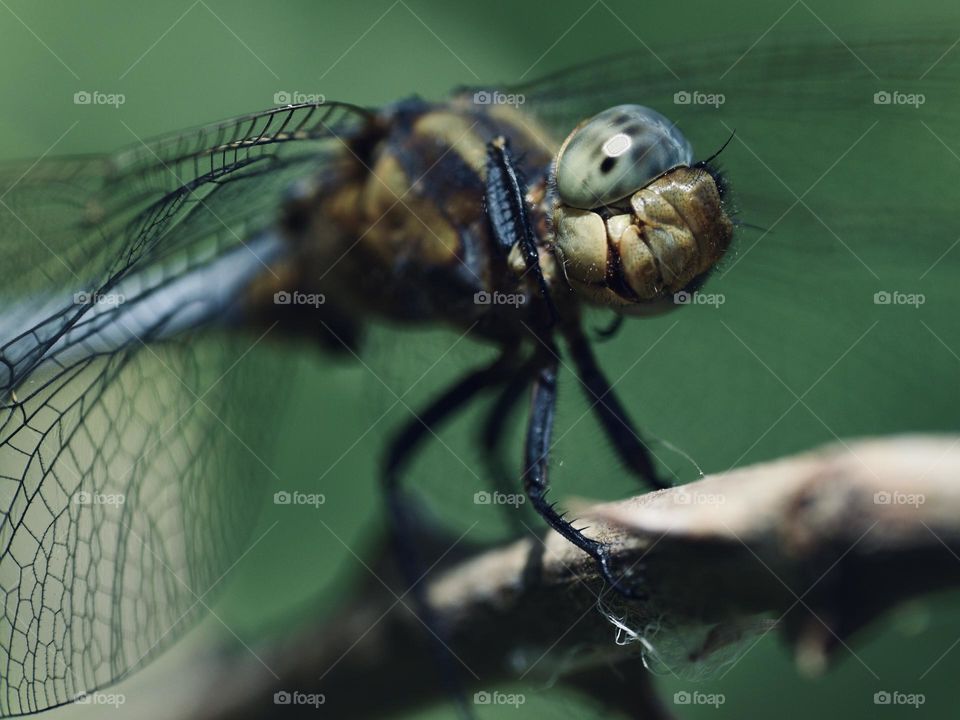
{"x":126,"y":473}
{"x":86,"y":223}
{"x":853,"y":182}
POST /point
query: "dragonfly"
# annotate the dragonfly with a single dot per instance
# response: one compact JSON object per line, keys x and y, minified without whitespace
{"x":133,"y":283}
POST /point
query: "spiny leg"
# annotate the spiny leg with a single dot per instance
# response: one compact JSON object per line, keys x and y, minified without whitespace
{"x":407,"y":441}
{"x":401,"y":518}
{"x":455,"y":398}
{"x":506,"y":202}
{"x":494,"y":432}
{"x":510,"y":222}
{"x":617,"y":425}
{"x":536,"y":480}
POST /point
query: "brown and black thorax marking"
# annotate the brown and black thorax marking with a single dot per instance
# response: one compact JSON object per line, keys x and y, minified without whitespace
{"x":406,"y":226}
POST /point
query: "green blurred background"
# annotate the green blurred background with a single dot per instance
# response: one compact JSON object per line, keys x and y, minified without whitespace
{"x":720,"y":385}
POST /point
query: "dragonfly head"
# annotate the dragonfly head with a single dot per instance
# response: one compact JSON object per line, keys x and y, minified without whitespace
{"x":635,"y":219}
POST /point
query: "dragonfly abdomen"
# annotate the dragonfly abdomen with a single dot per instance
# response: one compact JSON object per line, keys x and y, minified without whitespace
{"x":150,"y":305}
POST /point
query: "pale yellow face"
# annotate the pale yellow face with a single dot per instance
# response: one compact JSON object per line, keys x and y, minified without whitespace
{"x":634,"y":222}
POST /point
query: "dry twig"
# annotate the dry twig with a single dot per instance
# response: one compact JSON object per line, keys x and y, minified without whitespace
{"x":821,"y":542}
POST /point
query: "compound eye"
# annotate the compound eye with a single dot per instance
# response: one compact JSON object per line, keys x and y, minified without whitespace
{"x":616,"y":153}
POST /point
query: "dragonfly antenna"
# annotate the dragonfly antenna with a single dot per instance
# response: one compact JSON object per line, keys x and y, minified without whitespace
{"x":722,"y":148}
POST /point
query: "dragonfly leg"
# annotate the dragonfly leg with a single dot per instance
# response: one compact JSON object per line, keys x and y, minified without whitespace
{"x":507,"y":210}
{"x":611,"y":330}
{"x":403,"y":520}
{"x":613,"y":417}
{"x":405,"y":444}
{"x":493,"y":434}
{"x":506,"y":203}
{"x":536,"y":481}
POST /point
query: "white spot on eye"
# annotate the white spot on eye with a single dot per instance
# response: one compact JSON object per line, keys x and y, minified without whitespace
{"x":617,"y":145}
{"x":588,"y":174}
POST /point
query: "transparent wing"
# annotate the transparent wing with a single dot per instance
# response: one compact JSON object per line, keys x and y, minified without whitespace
{"x":87,"y":223}
{"x":130,"y":436}
{"x":834,"y":319}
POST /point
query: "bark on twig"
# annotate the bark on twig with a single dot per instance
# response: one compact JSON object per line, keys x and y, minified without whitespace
{"x":822,"y":542}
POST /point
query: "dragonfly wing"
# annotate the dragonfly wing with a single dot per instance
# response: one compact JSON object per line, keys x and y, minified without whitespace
{"x":131,"y":421}
{"x":802,"y":75}
{"x":87,"y":223}
{"x":846,"y":155}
